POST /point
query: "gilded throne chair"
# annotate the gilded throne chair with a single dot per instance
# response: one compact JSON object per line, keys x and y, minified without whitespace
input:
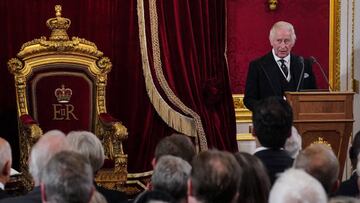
{"x":60,"y":84}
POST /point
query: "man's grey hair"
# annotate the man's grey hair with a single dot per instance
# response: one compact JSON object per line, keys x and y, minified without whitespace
{"x":282,"y":25}
{"x":5,"y":153}
{"x":171,"y":175}
{"x":67,"y":178}
{"x":89,"y":145}
{"x":45,"y":148}
{"x":320,"y":162}
{"x":293,"y":143}
{"x":295,"y":185}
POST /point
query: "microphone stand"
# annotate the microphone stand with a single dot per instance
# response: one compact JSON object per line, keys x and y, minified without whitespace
{"x":322,"y":71}
{"x":301,"y":59}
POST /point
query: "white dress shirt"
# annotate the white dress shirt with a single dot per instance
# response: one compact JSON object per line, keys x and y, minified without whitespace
{"x":287,"y":64}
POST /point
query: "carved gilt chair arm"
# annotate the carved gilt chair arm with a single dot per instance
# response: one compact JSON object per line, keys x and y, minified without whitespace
{"x":113,"y":133}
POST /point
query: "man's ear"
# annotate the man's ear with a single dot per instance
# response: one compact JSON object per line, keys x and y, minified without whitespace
{"x":153,"y":162}
{"x":7,"y":168}
{"x":252,"y":130}
{"x":189,"y":187}
{"x":43,"y":195}
{"x":235,"y":198}
{"x":335,"y":186}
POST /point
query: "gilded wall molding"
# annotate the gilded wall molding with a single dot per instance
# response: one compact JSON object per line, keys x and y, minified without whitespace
{"x":334,"y":44}
{"x":353,"y":84}
{"x":242,"y":114}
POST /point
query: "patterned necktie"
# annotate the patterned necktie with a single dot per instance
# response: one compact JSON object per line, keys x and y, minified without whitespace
{"x":283,"y":67}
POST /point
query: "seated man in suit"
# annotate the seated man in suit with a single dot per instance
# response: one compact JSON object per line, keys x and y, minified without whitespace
{"x":178,"y":145}
{"x":320,"y":161}
{"x":279,"y":70}
{"x":45,"y":148}
{"x":350,"y":187}
{"x":88,"y":145}
{"x":295,"y":185}
{"x":5,"y":166}
{"x":171,"y":175}
{"x":272,"y":121}
{"x":215,"y":177}
{"x":67,"y":178}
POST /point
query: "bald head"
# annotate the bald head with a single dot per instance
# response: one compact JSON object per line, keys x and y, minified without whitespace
{"x":46,"y":147}
{"x":5,"y":160}
{"x":319,"y":161}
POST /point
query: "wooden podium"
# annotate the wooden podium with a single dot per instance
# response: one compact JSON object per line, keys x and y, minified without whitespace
{"x":324,"y":117}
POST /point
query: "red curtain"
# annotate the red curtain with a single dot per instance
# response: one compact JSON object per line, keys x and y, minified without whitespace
{"x":192,"y":35}
{"x":192,"y":46}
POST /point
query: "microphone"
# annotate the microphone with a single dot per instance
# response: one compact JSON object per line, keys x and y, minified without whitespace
{"x":313,"y":60}
{"x":301,"y":60}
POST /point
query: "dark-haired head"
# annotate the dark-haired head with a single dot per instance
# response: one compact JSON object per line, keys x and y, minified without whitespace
{"x":255,"y":182}
{"x":272,"y":120}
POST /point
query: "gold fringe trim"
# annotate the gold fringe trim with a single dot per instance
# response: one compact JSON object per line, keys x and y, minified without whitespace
{"x":190,"y":126}
{"x":162,"y":81}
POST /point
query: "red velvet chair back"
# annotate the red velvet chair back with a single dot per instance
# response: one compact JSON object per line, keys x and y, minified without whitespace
{"x":62,"y":97}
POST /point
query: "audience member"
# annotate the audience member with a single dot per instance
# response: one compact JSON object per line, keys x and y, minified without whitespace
{"x":5,"y":166}
{"x":67,"y":178}
{"x":153,"y":196}
{"x":255,"y":183}
{"x":178,"y":145}
{"x":349,"y":187}
{"x":89,"y":145}
{"x":293,"y":143}
{"x":295,"y":185}
{"x":272,"y":121}
{"x":214,"y":178}
{"x":45,"y":148}
{"x":320,"y":162}
{"x":171,"y":175}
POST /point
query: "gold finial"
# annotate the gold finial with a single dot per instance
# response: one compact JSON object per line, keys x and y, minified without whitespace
{"x":58,"y":10}
{"x":58,"y":25}
{"x":272,"y":4}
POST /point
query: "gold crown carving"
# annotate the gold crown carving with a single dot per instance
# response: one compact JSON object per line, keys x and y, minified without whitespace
{"x":63,"y":94}
{"x":58,"y":25}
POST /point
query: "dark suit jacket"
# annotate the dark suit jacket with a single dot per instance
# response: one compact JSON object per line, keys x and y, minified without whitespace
{"x":112,"y":196}
{"x":275,"y":161}
{"x":349,"y":187}
{"x":265,"y":79}
{"x":33,"y":196}
{"x":3,"y":194}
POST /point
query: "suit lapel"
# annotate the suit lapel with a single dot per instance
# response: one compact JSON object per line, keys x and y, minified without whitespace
{"x":272,"y":70}
{"x":295,"y":68}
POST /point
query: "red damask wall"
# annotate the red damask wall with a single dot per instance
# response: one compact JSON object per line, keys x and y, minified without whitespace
{"x":249,"y":23}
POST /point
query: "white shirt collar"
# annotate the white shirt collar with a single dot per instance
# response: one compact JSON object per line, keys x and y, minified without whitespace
{"x":261,"y":148}
{"x":287,"y":63}
{"x":286,"y":58}
{"x":2,"y":186}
